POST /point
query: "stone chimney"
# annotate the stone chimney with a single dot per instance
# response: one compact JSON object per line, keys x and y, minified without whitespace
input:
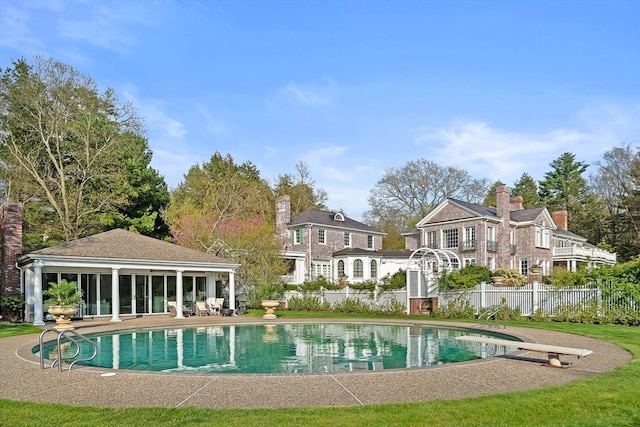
{"x":10,"y":246}
{"x":561,"y":218}
{"x":517,"y":203}
{"x":283,"y":217}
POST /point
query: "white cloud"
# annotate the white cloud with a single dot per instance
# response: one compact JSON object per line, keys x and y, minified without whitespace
{"x":308,"y":95}
{"x":502,"y":154}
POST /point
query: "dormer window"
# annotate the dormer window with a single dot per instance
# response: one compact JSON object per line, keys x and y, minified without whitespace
{"x":338,"y":217}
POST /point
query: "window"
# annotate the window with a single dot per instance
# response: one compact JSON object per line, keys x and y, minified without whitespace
{"x":374,"y":269}
{"x":320,"y":268}
{"x":524,"y":267}
{"x":469,"y":261}
{"x":321,"y":237}
{"x":431,"y":240}
{"x":450,"y":238}
{"x":347,"y":238}
{"x":370,"y":242}
{"x":542,"y":237}
{"x":469,"y":243}
{"x":298,"y":236}
{"x":358,"y":270}
{"x":491,"y":263}
{"x":492,"y":244}
{"x":340,"y":268}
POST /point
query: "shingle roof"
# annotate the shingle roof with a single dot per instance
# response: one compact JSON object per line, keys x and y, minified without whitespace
{"x":315,"y":216}
{"x":125,"y":245}
{"x":523,"y":215}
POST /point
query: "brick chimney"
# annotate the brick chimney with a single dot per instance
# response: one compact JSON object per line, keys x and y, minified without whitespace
{"x":283,"y":217}
{"x":10,"y":246}
{"x":503,"y":207}
{"x":561,"y":218}
{"x":517,"y":203}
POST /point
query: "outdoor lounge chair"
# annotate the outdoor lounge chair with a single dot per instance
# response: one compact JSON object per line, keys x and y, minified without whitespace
{"x":215,"y":305}
{"x":201,"y":308}
{"x":173,"y":312}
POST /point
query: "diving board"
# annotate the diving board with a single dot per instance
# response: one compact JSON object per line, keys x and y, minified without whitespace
{"x":553,"y":351}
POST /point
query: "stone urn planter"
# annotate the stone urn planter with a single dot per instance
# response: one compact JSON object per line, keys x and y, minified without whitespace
{"x":64,"y":299}
{"x":63,"y":315}
{"x":270,"y":305}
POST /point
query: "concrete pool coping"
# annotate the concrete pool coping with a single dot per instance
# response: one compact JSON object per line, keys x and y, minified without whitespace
{"x":23,"y":380}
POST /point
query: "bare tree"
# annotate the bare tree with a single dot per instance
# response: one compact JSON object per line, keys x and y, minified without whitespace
{"x":65,"y":135}
{"x":406,"y":194}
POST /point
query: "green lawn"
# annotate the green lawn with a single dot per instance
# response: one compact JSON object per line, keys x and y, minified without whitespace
{"x":610,"y":399}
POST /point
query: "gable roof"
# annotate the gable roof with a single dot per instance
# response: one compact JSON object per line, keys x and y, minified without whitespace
{"x":523,"y":215}
{"x":327,"y":219}
{"x":120,"y":244}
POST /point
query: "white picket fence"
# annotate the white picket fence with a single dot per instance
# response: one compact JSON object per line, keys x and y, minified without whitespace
{"x":371,"y":299}
{"x":528,"y":299}
{"x":532,"y":297}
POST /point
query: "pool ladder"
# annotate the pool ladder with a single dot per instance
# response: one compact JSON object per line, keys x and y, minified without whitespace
{"x":492,"y":313}
{"x":66,"y":336}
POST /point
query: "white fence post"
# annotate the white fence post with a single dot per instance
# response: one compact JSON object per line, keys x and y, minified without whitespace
{"x":483,"y":295}
{"x":535,"y":297}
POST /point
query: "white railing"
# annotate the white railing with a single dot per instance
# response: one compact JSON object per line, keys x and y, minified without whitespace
{"x":531,"y":298}
{"x":594,"y":254}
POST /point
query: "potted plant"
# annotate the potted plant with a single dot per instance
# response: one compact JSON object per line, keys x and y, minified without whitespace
{"x":508,"y":277}
{"x":535,"y":268}
{"x":63,"y":301}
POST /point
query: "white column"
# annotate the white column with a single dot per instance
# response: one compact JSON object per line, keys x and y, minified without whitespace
{"x":232,"y":291}
{"x":115,"y":295}
{"x":38,"y":315}
{"x":179,"y":295}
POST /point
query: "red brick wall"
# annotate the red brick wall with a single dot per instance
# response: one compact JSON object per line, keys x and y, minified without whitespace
{"x":10,"y":246}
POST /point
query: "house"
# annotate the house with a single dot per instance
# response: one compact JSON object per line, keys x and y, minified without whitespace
{"x":327,"y":244}
{"x":507,"y":236}
{"x":119,"y":272}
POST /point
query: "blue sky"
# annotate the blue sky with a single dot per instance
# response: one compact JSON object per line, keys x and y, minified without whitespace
{"x":352,"y":88}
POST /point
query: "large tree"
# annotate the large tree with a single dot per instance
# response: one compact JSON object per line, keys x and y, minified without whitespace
{"x":406,"y":194}
{"x":66,"y":139}
{"x":527,"y":188}
{"x":226,"y":209}
{"x":615,"y":184}
{"x":301,"y":190}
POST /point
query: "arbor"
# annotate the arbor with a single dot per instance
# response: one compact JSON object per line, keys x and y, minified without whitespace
{"x":226,"y":209}
{"x":301,"y":190}
{"x":64,"y":141}
{"x":406,"y":194}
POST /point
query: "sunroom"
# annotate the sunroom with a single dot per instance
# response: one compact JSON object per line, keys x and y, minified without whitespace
{"x":125,"y":273}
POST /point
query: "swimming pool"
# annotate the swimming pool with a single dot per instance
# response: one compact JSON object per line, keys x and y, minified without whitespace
{"x":287,"y":348}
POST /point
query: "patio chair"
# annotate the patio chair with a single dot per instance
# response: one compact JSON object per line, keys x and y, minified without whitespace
{"x":215,"y":305}
{"x":201,"y":308}
{"x":173,"y":312}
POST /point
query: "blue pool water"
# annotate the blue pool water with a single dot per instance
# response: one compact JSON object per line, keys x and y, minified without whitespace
{"x":285,"y":348}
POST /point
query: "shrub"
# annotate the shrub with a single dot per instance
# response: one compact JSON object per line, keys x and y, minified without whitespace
{"x":11,"y":306}
{"x":510,"y":276}
{"x":395,"y":282}
{"x":458,"y":308}
{"x":307,"y":303}
{"x":466,"y":278}
{"x":352,"y":305}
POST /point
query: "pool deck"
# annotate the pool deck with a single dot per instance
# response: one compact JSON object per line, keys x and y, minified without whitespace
{"x":22,"y":379}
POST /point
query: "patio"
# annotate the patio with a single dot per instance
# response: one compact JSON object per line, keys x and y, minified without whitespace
{"x":23,"y":380}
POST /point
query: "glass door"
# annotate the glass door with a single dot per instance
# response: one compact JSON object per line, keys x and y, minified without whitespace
{"x":142,"y":294}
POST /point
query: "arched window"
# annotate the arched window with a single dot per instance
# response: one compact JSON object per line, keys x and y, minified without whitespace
{"x":340,"y":268}
{"x":358,"y":270}
{"x":374,"y":269}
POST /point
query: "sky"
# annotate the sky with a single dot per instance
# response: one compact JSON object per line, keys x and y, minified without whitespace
{"x":354,"y":87}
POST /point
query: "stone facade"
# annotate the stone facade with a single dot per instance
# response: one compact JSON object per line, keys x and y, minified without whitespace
{"x":10,"y":246}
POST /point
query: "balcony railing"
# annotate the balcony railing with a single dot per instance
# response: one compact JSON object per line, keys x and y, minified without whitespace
{"x":594,"y":254}
{"x":469,"y":245}
{"x":514,"y":248}
{"x":492,"y":245}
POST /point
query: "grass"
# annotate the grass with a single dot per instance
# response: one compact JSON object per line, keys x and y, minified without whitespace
{"x":605,"y":400}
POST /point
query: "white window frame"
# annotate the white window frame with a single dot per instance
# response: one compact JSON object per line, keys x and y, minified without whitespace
{"x":322,"y":236}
